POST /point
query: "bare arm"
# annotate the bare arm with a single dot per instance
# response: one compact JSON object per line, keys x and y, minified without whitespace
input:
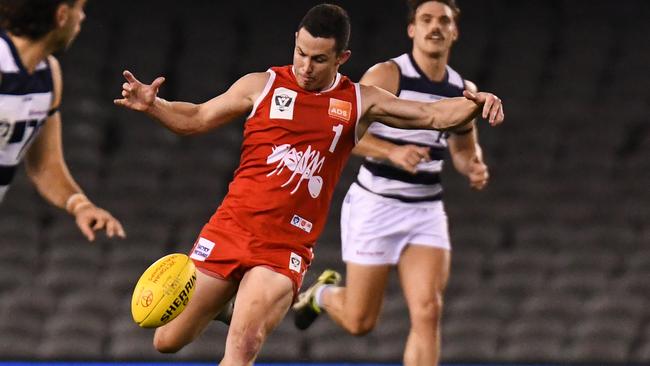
{"x":48,"y":171}
{"x":466,"y":153}
{"x":379,"y":105}
{"x":189,"y":118}
{"x":386,"y":76}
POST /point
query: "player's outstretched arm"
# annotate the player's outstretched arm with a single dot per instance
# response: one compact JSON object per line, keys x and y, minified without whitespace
{"x":48,"y":171}
{"x":189,"y":118}
{"x":441,"y":115}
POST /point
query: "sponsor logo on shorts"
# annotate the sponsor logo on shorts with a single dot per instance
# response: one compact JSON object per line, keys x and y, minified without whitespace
{"x":301,"y":223}
{"x":370,"y":254}
{"x":295,"y":262}
{"x":202,"y":249}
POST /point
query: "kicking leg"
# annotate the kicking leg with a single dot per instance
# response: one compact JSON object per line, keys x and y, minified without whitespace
{"x":209,"y":297}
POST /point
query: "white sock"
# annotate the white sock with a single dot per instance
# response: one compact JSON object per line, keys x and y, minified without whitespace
{"x":319,"y":294}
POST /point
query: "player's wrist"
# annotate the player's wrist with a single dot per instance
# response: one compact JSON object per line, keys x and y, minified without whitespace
{"x":76,"y":202}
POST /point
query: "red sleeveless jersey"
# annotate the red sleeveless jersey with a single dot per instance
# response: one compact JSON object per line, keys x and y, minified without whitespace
{"x":296,"y":144}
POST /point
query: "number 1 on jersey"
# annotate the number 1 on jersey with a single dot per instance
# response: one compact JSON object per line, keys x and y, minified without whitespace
{"x":338,"y":129}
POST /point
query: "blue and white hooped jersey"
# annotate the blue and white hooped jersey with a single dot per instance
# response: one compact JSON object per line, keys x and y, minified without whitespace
{"x":386,"y":180}
{"x":25,"y":100}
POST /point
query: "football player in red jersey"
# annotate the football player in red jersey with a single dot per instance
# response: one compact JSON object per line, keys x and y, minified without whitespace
{"x":303,"y":121}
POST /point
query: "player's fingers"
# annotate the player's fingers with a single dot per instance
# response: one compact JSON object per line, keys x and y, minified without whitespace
{"x":129,"y":77}
{"x":100,"y":222}
{"x":120,"y":230}
{"x":158,"y":82}
{"x":423,"y":153}
{"x":125,"y":94}
{"x":86,"y":230}
{"x":487,"y":106}
{"x":111,"y":229}
{"x":127,"y":86}
{"x":411,"y":168}
{"x":500,"y":115}
{"x":495,"y":111}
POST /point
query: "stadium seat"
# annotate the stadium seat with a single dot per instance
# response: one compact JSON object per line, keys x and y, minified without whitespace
{"x":67,"y":347}
{"x":598,"y":350}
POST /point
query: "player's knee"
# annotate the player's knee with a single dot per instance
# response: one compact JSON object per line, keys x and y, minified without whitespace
{"x":427,"y":312}
{"x":361,"y":325}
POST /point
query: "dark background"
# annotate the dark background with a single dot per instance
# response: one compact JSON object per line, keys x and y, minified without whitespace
{"x":550,"y":263}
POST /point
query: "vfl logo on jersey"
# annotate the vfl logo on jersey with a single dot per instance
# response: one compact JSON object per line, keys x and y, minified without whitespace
{"x":202,"y":249}
{"x":301,"y":223}
{"x":295,"y":262}
{"x":282,"y":103}
{"x":302,"y":164}
{"x":340,"y":109}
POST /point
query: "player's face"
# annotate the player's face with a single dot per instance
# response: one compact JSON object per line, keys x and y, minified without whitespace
{"x":315,"y":61}
{"x":70,"y":23}
{"x":434,"y":29}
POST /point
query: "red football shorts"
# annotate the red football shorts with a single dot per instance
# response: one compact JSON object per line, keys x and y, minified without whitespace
{"x":226,"y":250}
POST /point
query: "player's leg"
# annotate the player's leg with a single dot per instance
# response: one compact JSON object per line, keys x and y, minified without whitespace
{"x":356,"y":306}
{"x":209,"y":297}
{"x":263,"y":298}
{"x":423,"y":274}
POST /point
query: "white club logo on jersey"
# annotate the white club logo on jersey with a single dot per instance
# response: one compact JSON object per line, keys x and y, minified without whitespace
{"x":302,"y":164}
{"x":282,"y":103}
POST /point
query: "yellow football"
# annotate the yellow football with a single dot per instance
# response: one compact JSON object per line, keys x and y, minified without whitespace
{"x":163,"y":290}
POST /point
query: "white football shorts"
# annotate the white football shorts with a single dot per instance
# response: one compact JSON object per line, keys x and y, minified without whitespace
{"x":375,"y":229}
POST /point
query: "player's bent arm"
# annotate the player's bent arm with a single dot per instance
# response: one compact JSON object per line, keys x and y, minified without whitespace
{"x":464,"y":147}
{"x":44,"y":161}
{"x":463,"y":143}
{"x":384,"y":75}
{"x":380,"y":105}
{"x":46,"y":167}
{"x":373,"y":147}
{"x":188,"y":118}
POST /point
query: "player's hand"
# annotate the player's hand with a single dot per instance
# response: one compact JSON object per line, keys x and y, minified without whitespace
{"x":492,"y":106}
{"x":91,"y":218}
{"x":477,"y":173}
{"x":136,"y":95}
{"x":407,"y":157}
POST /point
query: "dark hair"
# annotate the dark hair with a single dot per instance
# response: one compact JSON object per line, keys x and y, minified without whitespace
{"x":328,"y":21}
{"x":415,"y":4}
{"x":29,"y":18}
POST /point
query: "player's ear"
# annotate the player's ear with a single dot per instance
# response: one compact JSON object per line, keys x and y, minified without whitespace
{"x":410,"y":30}
{"x":343,"y":57}
{"x":62,"y":14}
